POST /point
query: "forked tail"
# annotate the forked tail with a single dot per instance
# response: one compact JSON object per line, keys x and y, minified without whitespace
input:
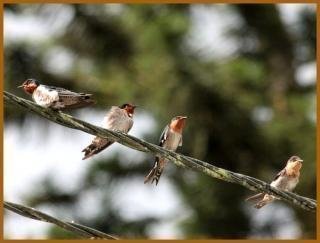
{"x":95,"y":147}
{"x":155,"y":173}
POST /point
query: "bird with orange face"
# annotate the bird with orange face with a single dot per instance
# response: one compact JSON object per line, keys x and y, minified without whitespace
{"x":119,"y":118}
{"x":287,"y":179}
{"x":170,"y":139}
{"x":55,"y":97}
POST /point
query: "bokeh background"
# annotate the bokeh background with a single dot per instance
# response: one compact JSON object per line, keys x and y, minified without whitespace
{"x":245,"y":75}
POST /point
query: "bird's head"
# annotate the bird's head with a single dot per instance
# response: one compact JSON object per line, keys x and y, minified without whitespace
{"x":295,"y":162}
{"x":29,"y":85}
{"x":177,"y":123}
{"x":129,"y":108}
{"x":295,"y":159}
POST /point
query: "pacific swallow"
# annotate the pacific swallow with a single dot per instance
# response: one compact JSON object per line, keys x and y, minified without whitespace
{"x":170,"y":139}
{"x":119,"y":118}
{"x":55,"y":97}
{"x":286,"y":179}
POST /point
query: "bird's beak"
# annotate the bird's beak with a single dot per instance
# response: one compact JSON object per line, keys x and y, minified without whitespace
{"x":184,"y":117}
{"x":21,"y":86}
{"x":300,"y":160}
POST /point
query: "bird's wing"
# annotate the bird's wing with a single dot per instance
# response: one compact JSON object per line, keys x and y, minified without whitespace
{"x":67,"y":99}
{"x":164,"y":135}
{"x":64,"y":92}
{"x":130,"y":124}
{"x":113,"y":118}
{"x":281,"y":173}
{"x":117,"y":119}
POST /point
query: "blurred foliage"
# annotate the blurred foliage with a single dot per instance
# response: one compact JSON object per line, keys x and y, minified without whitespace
{"x":247,"y":112}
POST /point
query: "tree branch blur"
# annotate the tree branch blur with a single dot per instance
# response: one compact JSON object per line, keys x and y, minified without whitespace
{"x":250,"y":183}
{"x":77,"y":229}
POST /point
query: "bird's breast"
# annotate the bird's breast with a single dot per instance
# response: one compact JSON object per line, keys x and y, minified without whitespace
{"x":285,"y":182}
{"x":45,"y":97}
{"x":292,"y":183}
{"x":118,"y":120}
{"x":172,"y":141}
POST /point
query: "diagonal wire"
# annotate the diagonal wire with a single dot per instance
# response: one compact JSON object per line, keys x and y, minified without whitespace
{"x":248,"y":182}
{"x":78,"y":229}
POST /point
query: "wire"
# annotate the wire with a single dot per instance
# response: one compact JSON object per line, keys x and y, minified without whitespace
{"x":248,"y":182}
{"x":78,"y":229}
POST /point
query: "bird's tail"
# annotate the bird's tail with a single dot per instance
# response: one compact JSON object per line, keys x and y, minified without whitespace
{"x":266,"y":199}
{"x":260,"y":199}
{"x":84,"y":100}
{"x":87,"y":98}
{"x":95,"y":147}
{"x":255,"y":197}
{"x":155,"y":173}
{"x":79,"y":101}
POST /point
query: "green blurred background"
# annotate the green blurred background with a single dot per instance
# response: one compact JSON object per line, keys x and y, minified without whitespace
{"x":245,"y":76}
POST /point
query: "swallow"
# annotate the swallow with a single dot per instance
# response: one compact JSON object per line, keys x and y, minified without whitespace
{"x":287,"y":179}
{"x":170,"y":139}
{"x":119,"y":118}
{"x":55,"y":97}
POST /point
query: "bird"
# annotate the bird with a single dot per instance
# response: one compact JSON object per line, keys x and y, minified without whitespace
{"x":287,"y":179}
{"x":55,"y":97}
{"x":118,"y":118}
{"x":170,"y":139}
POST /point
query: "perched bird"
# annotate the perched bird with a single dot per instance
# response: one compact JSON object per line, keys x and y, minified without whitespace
{"x":119,"y":118}
{"x":286,"y":179}
{"x":170,"y":139}
{"x":55,"y":97}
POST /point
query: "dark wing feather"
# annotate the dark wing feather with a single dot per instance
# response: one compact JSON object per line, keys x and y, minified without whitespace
{"x":70,"y":99}
{"x":65,"y":92}
{"x":164,"y":135}
{"x":281,"y":173}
